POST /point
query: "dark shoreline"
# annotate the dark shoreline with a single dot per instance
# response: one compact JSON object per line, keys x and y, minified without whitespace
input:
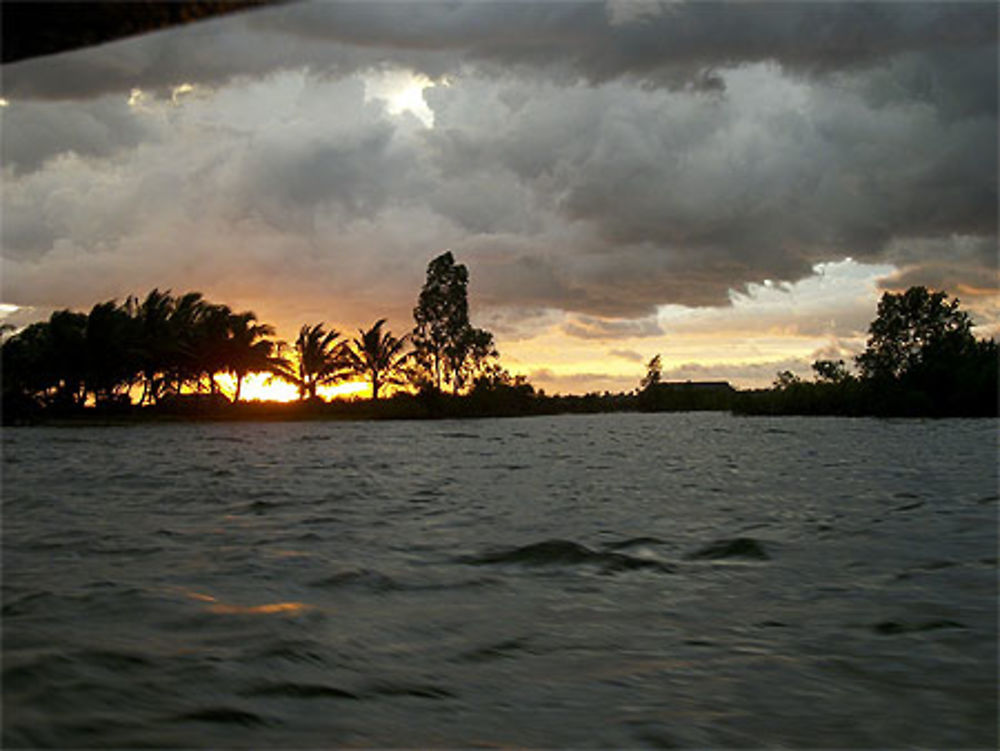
{"x":802,"y":402}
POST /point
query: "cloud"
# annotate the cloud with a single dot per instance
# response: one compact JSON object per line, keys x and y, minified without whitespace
{"x":34,"y":131}
{"x":590,"y":164}
{"x":574,"y":383}
{"x":741,"y":375}
{"x":627,"y":354}
{"x":965,"y":264}
{"x":589,"y":327}
{"x":744,"y":375}
{"x":674,"y":44}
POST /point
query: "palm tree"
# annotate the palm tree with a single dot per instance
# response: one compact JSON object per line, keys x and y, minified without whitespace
{"x":156,"y":343}
{"x":110,"y":361}
{"x":210,"y":343}
{"x":378,"y":356}
{"x":246,"y":350}
{"x":65,"y":355}
{"x":186,"y":313}
{"x":319,"y":361}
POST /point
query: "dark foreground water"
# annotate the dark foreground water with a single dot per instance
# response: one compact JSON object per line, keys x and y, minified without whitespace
{"x":617,"y":580}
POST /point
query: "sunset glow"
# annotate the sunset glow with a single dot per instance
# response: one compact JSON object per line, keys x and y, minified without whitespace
{"x":261,"y":387}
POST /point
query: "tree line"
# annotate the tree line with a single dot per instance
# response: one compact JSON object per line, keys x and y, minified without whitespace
{"x":164,"y":347}
{"x":921,"y":359}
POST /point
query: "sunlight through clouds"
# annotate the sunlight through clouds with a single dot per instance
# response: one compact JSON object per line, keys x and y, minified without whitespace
{"x":179,"y":91}
{"x":402,"y":91}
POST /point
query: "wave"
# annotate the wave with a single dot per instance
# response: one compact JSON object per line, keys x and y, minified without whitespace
{"x":361,"y":578}
{"x":225,"y":715}
{"x":26,"y":604}
{"x":300,"y":691}
{"x":295,"y":690}
{"x":564,"y":553}
{"x":738,"y":547}
{"x":418,"y":690}
{"x":633,"y":542}
{"x":375,"y":581}
{"x":290,"y":650}
{"x":891,"y":628}
{"x":498,"y":651}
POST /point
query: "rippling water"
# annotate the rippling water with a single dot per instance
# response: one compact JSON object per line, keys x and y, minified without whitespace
{"x":609,"y":580}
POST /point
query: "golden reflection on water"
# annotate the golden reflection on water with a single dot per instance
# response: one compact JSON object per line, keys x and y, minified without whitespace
{"x":274,"y":607}
{"x":200,"y":596}
{"x":229,"y":609}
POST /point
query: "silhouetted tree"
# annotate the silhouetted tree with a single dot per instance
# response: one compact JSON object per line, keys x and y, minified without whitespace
{"x":378,"y":356}
{"x":830,"y":371}
{"x":470,"y":357}
{"x":654,"y":373}
{"x":785,"y":379}
{"x":156,"y":345}
{"x":64,"y":357}
{"x":908,"y":328}
{"x":182,"y":366}
{"x":246,"y":349}
{"x":921,"y":359}
{"x":210,"y":343}
{"x":112,"y":365}
{"x":319,"y":361}
{"x":167,"y":344}
{"x":47,"y":360}
{"x":447,"y":348}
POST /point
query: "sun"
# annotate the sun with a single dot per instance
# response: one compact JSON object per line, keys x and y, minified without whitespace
{"x":261,"y":387}
{"x":346,"y":390}
{"x":401,"y":90}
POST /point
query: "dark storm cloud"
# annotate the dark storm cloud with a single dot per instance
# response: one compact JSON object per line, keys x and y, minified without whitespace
{"x":354,"y":172}
{"x":967,"y":266}
{"x":33,"y":131}
{"x":600,"y":160}
{"x":682,"y":198}
{"x":586,"y":38}
{"x":678,"y":45}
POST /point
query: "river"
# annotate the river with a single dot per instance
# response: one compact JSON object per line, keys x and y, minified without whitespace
{"x":626,"y":580}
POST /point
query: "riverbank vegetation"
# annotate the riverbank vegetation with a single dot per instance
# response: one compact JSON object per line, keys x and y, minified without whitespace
{"x":921,"y":360}
{"x":162,"y":357}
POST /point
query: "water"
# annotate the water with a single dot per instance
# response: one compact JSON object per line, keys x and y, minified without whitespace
{"x":685,"y":580}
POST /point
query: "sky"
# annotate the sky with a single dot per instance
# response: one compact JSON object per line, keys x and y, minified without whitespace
{"x":731,"y":186}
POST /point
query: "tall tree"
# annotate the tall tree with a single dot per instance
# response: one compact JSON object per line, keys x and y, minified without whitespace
{"x":377,"y":355}
{"x":247,"y":350}
{"x":185,"y":318}
{"x":112,"y":365}
{"x":318,"y":361}
{"x":210,"y":343}
{"x":64,"y":357}
{"x":156,"y":343}
{"x":654,"y":372}
{"x":908,"y":328}
{"x":446,"y":345}
{"x":470,"y":356}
